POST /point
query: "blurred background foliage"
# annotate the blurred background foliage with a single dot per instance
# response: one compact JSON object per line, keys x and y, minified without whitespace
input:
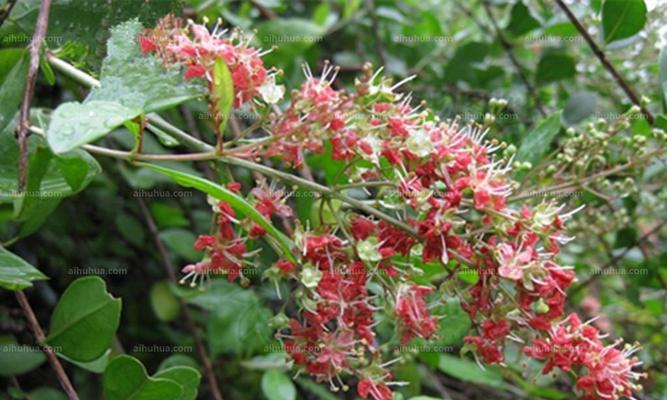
{"x":466,"y":54}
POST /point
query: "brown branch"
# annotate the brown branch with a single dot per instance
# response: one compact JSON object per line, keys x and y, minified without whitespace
{"x":50,"y":354}
{"x":6,"y":10}
{"x":515,"y":61}
{"x":379,"y":48}
{"x":28,"y":92}
{"x":169,"y":268}
{"x":605,"y":62}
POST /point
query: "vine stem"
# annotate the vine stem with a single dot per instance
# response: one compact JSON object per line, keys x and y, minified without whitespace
{"x":169,"y":268}
{"x":50,"y":354}
{"x":515,"y":61}
{"x":29,"y":90}
{"x":22,"y":134}
{"x":617,"y":258}
{"x":605,"y":62}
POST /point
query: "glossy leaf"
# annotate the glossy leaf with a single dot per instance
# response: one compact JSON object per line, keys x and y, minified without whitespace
{"x":221,"y":193}
{"x":521,"y":20}
{"x":84,"y":320}
{"x":12,"y":83}
{"x":126,"y":378}
{"x":537,"y":142}
{"x":469,"y":371}
{"x":15,"y":272}
{"x":17,"y":359}
{"x":187,"y":377}
{"x":622,"y":19}
{"x":554,"y":66}
{"x":131,"y":84}
{"x":222,"y":94}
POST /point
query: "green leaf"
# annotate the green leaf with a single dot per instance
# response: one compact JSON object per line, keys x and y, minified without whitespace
{"x":187,"y":377}
{"x":469,"y":371}
{"x":12,"y":84}
{"x":237,"y":202}
{"x":180,"y":241}
{"x":622,"y":19}
{"x":292,"y":36}
{"x":96,"y":366}
{"x":166,"y":306}
{"x":131,"y":84}
{"x":459,"y":68}
{"x":537,"y":142}
{"x":75,"y":124}
{"x":17,"y":359}
{"x":178,"y":360}
{"x":222,"y":95}
{"x":130,"y":228}
{"x":278,"y":386}
{"x":84,"y":23}
{"x":126,"y":378}
{"x":579,"y":106}
{"x":50,"y":178}
{"x":167,"y":216}
{"x":15,"y":272}
{"x":554,"y":66}
{"x":521,"y":20}
{"x":238,"y":322}
{"x":47,"y":393}
{"x":242,"y":329}
{"x":84,"y":320}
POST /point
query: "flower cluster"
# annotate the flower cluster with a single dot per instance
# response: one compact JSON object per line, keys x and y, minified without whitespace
{"x":194,"y":47}
{"x":450,"y":192}
{"x":608,"y":370}
{"x":225,"y":253}
{"x":453,"y":192}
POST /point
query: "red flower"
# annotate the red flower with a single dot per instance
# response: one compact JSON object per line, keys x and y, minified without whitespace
{"x":146,"y":44}
{"x":413,"y":314}
{"x":377,"y":391}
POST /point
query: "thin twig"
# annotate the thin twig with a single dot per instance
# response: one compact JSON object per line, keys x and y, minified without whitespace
{"x":6,"y":10}
{"x":617,"y":258}
{"x":605,"y":62}
{"x":379,"y":47}
{"x":169,"y":268}
{"x":515,"y":61}
{"x":50,"y":354}
{"x":24,"y":117}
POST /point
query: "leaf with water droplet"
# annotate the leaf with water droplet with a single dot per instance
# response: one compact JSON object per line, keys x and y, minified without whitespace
{"x":74,"y":124}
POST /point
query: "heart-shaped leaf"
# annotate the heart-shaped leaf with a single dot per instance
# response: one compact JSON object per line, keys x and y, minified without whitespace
{"x":126,"y":378}
{"x":84,"y":320}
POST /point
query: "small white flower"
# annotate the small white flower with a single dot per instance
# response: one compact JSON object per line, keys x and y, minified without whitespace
{"x":271,"y":93}
{"x":419,"y":143}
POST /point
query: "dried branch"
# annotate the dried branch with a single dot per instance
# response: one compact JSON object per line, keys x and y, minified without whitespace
{"x":169,"y":269}
{"x":515,"y":61}
{"x":605,"y":62}
{"x":28,"y":92}
{"x":6,"y":10}
{"x":50,"y":354}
